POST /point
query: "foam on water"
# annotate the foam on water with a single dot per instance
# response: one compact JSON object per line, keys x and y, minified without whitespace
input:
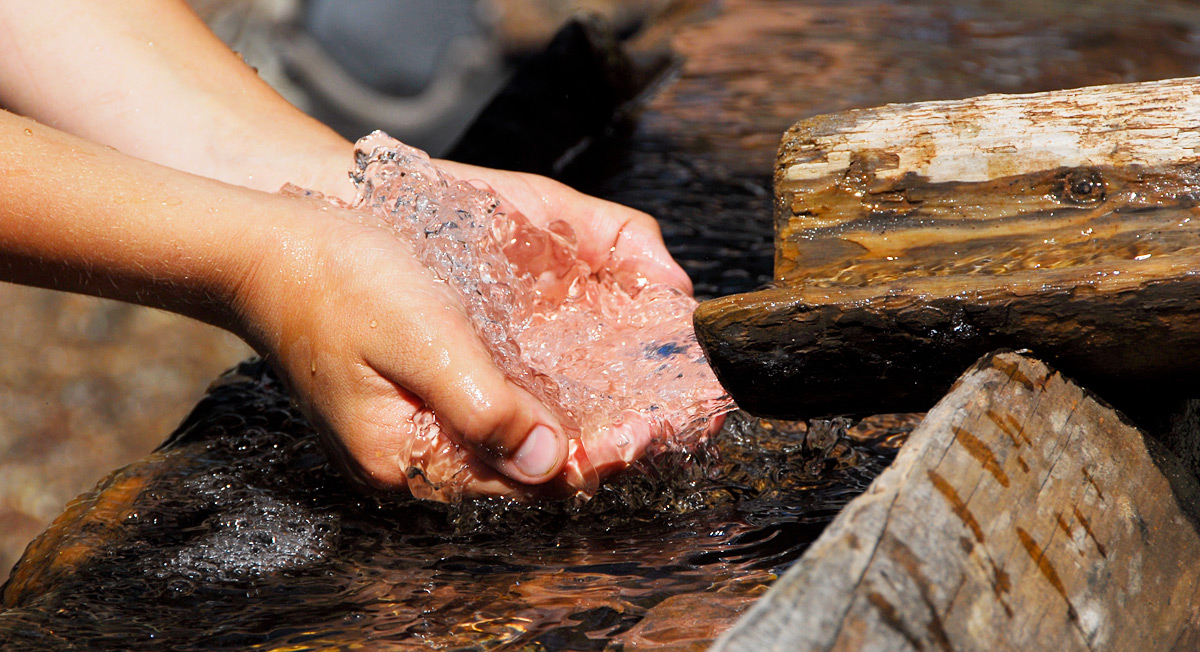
{"x":599,"y":353}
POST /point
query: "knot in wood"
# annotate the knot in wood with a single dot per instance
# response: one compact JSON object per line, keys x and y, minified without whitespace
{"x":1081,"y":187}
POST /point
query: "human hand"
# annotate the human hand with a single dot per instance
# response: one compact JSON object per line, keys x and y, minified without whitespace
{"x":369,"y":340}
{"x":382,"y":434}
{"x":195,"y":106}
{"x":364,"y":335}
{"x":610,"y":236}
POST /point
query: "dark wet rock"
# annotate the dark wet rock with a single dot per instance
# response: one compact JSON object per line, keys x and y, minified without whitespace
{"x":561,"y":99}
{"x":699,"y":158}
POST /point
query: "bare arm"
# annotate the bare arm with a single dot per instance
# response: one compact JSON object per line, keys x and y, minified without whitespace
{"x":297,"y":280}
{"x":80,"y":217}
{"x":148,"y":78}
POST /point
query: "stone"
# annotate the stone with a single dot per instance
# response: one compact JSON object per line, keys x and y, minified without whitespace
{"x":238,"y":533}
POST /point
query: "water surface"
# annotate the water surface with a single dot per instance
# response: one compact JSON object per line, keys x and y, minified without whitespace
{"x":237,"y":534}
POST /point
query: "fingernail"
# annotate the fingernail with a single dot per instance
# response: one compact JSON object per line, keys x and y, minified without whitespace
{"x":538,"y":454}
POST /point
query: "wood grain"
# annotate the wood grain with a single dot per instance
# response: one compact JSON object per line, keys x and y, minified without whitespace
{"x":1023,"y":514}
{"x":911,"y":239}
{"x":1130,"y":329}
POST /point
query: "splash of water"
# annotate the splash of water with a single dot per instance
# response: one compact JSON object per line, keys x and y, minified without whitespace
{"x":617,"y":363}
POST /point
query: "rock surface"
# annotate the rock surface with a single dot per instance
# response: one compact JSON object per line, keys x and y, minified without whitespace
{"x":84,"y":393}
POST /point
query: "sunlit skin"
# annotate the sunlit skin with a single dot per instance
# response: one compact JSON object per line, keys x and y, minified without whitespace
{"x":164,"y":196}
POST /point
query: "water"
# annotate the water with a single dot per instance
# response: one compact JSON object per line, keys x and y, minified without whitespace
{"x":237,"y":535}
{"x":601,"y":348}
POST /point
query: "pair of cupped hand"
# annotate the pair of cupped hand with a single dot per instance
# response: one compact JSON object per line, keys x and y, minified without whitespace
{"x":372,"y":345}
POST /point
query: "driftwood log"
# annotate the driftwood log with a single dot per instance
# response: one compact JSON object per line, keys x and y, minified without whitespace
{"x":1023,"y":514}
{"x":911,"y":239}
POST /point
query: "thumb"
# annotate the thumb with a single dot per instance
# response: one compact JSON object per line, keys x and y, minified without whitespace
{"x":504,"y":425}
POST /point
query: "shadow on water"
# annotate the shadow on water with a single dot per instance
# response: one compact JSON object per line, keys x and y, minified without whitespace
{"x":236,"y":534}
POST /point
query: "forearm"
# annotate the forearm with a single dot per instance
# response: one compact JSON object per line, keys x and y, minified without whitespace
{"x":81,"y":217}
{"x":148,"y":78}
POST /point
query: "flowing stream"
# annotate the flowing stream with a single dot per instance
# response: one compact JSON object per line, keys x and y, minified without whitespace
{"x":237,"y":535}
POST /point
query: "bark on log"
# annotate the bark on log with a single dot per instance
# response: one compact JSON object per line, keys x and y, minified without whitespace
{"x":1023,"y":514}
{"x":911,"y":239}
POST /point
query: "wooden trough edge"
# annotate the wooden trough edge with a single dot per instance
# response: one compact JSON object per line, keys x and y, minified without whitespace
{"x":808,"y":351}
{"x":991,"y":136}
{"x":1022,"y":514}
{"x":913,"y":238}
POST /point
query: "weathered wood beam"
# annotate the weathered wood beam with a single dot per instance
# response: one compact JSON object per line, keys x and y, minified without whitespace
{"x":910,"y":239}
{"x":1132,"y":329}
{"x":1022,"y":514}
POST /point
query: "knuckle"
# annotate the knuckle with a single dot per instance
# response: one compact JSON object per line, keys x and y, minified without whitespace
{"x":487,"y":427}
{"x":644,"y":223}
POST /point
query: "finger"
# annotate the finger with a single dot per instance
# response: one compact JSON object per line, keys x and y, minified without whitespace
{"x":620,"y":239}
{"x":624,"y":241}
{"x":614,"y":448}
{"x":387,"y":440}
{"x":437,"y":356}
{"x":614,"y":237}
{"x":714,"y":426}
{"x":638,"y":251}
{"x":502,"y":204}
{"x":599,"y":454}
{"x":369,"y":427}
{"x":610,"y":236}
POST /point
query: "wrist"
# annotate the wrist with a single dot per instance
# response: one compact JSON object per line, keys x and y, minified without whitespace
{"x":301,"y":152}
{"x":201,"y":258}
{"x":287,"y":268}
{"x":264,"y":146}
{"x":270,"y":266}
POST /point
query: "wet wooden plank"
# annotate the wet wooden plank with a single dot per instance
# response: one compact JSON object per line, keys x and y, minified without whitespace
{"x":1131,"y":330}
{"x":989,"y":184}
{"x":911,"y":239}
{"x":1023,"y":514}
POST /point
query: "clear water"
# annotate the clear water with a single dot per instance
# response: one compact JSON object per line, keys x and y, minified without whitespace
{"x":598,"y":350}
{"x":237,"y":535}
